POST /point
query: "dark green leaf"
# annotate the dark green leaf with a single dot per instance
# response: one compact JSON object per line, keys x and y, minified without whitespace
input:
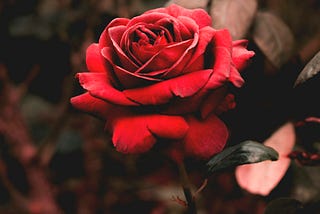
{"x":243,"y":153}
{"x":310,"y":70}
{"x":284,"y":205}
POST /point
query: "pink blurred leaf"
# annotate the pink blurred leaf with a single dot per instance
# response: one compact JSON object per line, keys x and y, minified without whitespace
{"x":261,"y":178}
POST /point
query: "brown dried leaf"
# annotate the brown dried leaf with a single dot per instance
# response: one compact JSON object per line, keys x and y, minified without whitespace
{"x":190,"y":4}
{"x":235,"y":15}
{"x":310,"y":70}
{"x":273,"y":37}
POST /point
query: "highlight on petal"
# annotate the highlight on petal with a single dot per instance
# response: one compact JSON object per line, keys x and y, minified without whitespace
{"x":100,"y":86}
{"x":160,"y":93}
{"x":261,"y":178}
{"x":138,"y":133}
{"x":205,"y":137}
{"x":200,"y":16}
{"x":240,"y":54}
{"x":89,"y":104}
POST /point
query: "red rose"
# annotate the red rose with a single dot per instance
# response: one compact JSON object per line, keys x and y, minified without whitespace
{"x":162,"y":75}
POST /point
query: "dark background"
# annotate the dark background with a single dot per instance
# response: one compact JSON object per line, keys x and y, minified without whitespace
{"x":48,"y":38}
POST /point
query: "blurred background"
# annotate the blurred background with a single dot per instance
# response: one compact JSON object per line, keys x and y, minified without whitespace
{"x":54,"y":159}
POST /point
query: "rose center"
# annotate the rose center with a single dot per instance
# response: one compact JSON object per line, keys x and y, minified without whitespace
{"x":146,"y":42}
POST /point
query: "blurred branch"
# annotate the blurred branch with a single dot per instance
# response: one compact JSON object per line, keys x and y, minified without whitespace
{"x":48,"y":145}
{"x":16,"y":134}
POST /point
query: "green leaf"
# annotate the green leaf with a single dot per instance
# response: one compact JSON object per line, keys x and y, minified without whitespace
{"x":243,"y":153}
{"x":310,"y":70}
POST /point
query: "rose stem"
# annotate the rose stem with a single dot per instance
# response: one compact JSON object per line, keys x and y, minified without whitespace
{"x":187,"y":189}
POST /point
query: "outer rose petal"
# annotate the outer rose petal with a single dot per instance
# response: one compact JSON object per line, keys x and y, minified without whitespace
{"x":205,"y":137}
{"x":160,"y":93}
{"x":240,"y":54}
{"x":137,"y":133}
{"x":94,"y":59}
{"x":99,"y":85}
{"x":87,"y":103}
{"x":201,"y":17}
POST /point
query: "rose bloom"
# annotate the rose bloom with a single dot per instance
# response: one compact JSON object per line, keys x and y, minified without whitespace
{"x":163,"y":76}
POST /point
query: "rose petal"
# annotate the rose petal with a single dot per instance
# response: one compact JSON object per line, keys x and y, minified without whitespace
{"x":147,"y":18}
{"x":94,"y":59}
{"x":131,"y":135}
{"x":115,"y":34}
{"x":235,"y":77}
{"x":197,"y":62}
{"x":131,"y":80}
{"x":212,"y":101}
{"x":126,"y":78}
{"x":160,"y":93}
{"x":87,"y":103}
{"x":222,"y":62}
{"x":227,"y":103}
{"x":167,"y":57}
{"x":240,"y":54}
{"x":100,"y":86}
{"x":178,"y":31}
{"x":178,"y":68}
{"x":205,"y":137}
{"x":200,"y":16}
{"x":170,"y":127}
{"x":104,"y":40}
{"x":137,"y":133}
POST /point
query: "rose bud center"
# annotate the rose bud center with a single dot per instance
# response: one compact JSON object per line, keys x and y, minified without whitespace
{"x":146,"y":42}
